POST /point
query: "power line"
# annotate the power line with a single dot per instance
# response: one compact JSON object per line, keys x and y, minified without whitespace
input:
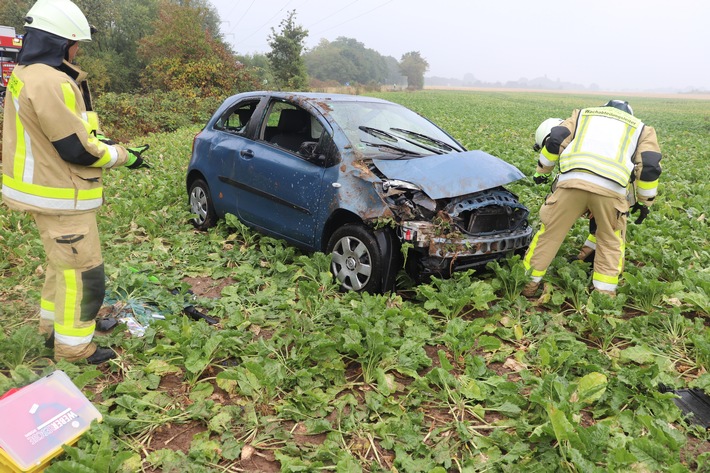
{"x":242,"y":40}
{"x":267,"y":22}
{"x":243,"y":15}
{"x":332,"y":14}
{"x":234,"y":7}
{"x":355,"y":18}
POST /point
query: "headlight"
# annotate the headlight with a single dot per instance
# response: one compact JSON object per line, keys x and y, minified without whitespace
{"x":388,"y":184}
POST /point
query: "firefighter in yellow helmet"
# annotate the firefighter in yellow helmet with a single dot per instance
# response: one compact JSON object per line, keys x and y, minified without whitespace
{"x":600,"y":151}
{"x":54,"y":156}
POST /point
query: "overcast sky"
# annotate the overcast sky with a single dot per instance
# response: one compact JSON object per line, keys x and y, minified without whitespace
{"x":616,"y":44}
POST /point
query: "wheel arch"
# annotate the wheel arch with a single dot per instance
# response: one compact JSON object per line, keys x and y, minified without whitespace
{"x":191,"y":177}
{"x":337,"y":219}
{"x":385,"y":237}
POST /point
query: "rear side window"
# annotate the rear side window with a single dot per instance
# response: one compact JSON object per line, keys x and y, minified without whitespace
{"x":236,"y":119}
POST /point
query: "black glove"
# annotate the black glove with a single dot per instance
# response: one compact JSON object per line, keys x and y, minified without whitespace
{"x":643,"y":212}
{"x":541,"y":178}
{"x":135,"y":160}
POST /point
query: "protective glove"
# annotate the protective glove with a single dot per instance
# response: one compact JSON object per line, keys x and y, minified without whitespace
{"x":643,"y":212}
{"x":135,"y":160}
{"x":541,"y":178}
{"x":105,"y":140}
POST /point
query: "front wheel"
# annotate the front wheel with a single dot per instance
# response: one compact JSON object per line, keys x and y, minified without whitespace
{"x":356,"y":258}
{"x":201,"y":205}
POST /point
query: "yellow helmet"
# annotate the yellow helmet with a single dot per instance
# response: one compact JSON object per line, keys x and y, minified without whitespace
{"x":543,"y":131}
{"x":60,"y":17}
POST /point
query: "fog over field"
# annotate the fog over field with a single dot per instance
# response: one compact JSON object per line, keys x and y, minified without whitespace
{"x":630,"y":45}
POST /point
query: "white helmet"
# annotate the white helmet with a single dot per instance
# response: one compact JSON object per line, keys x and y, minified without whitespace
{"x":543,"y":131}
{"x":622,"y":105}
{"x":60,"y":17}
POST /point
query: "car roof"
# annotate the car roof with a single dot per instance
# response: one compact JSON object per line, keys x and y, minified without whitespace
{"x":312,"y":97}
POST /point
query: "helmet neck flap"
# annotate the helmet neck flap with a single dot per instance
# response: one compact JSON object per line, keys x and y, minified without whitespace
{"x":41,"y":47}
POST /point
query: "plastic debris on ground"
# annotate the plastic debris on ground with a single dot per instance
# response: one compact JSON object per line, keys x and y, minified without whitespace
{"x":135,"y":314}
{"x":694,"y":404}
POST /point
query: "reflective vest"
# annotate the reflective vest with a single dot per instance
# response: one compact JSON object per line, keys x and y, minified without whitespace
{"x":44,"y":105}
{"x":604,"y":144}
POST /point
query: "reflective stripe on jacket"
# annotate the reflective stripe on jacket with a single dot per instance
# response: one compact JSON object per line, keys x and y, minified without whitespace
{"x":52,"y":159}
{"x":604,"y":143}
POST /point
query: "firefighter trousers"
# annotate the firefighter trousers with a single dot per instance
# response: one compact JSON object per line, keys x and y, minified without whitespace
{"x":74,"y":284}
{"x":557,"y":215}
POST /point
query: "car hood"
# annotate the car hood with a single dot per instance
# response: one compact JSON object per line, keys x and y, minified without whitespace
{"x":449,"y":175}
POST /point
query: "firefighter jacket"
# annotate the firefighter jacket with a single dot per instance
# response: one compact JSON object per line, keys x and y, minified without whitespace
{"x":53,"y":161}
{"x":602,"y":150}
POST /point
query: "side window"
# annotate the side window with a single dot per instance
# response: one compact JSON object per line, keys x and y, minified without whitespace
{"x":235,"y":119}
{"x":275,"y":122}
{"x":296,"y":130}
{"x":288,"y":126}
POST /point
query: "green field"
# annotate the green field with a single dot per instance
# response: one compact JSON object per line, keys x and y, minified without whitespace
{"x":454,"y":375}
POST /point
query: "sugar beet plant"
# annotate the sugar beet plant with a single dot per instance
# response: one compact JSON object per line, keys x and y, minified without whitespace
{"x":459,"y":374}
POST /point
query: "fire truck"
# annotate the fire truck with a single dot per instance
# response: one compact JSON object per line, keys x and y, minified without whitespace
{"x":10,"y":45}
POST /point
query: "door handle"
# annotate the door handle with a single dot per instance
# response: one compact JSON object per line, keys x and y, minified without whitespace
{"x":247,"y":153}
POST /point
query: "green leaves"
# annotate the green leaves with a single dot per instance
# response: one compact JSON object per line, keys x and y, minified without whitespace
{"x":591,"y":387}
{"x":456,"y":296}
{"x":19,"y":347}
{"x":456,"y":374}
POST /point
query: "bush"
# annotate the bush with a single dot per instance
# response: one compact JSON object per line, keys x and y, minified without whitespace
{"x":127,"y":116}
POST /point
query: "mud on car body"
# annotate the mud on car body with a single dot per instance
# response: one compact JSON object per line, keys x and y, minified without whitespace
{"x":355,"y":177}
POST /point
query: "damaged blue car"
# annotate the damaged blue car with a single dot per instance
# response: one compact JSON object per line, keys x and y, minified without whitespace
{"x":358,"y":178}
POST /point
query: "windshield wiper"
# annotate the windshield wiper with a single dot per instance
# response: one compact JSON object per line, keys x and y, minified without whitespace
{"x":437,"y":142}
{"x":377,"y":133}
{"x":386,"y":136}
{"x":404,"y":152}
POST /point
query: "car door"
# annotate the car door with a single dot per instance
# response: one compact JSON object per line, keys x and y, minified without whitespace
{"x":278,"y":188}
{"x":229,"y":137}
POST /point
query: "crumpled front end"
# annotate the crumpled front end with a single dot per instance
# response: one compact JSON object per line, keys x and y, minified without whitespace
{"x":461,"y":232}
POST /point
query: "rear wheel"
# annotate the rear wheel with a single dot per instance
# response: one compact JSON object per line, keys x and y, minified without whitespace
{"x":356,"y":258}
{"x":201,"y":205}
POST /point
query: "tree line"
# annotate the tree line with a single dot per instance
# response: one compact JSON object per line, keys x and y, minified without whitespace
{"x":142,"y":46}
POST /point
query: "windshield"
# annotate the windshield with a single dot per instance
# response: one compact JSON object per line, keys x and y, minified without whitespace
{"x":376,"y":128}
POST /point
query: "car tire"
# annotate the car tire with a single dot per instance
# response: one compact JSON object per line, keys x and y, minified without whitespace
{"x":356,"y":258}
{"x":201,"y":205}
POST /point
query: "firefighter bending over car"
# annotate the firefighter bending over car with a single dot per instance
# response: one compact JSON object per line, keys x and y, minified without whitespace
{"x":54,"y":155}
{"x":600,"y":151}
{"x":586,"y":254}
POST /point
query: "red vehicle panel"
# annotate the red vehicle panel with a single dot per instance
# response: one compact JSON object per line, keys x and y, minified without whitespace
{"x":10,"y":45}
